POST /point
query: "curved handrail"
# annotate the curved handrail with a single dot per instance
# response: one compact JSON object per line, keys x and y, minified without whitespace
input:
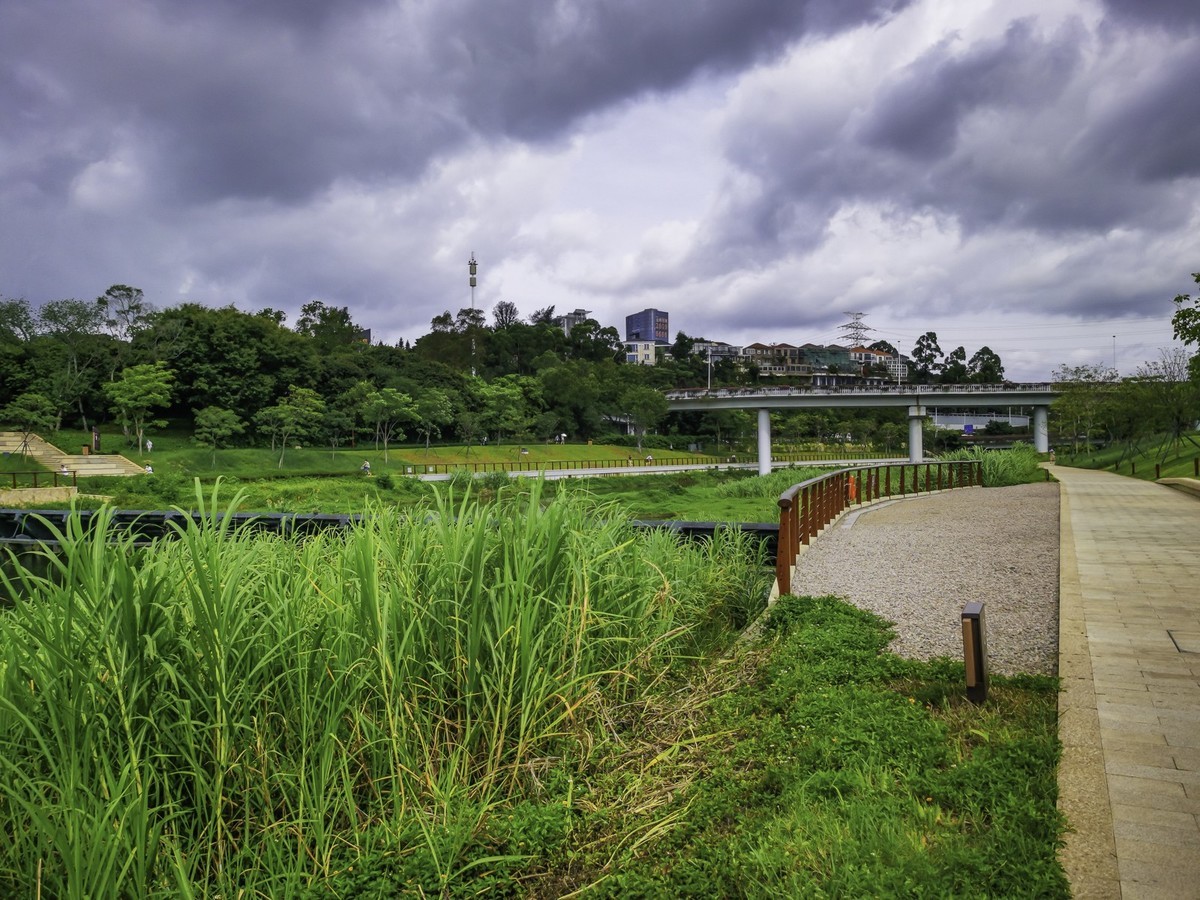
{"x":807,"y":507}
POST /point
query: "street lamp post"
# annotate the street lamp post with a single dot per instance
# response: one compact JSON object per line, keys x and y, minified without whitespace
{"x":471,"y":267}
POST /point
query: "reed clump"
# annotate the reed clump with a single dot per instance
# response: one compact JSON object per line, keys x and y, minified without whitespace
{"x":232,"y":713}
{"x":1002,"y":468}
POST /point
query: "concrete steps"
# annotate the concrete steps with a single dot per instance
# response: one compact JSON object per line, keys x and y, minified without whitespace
{"x":105,"y":464}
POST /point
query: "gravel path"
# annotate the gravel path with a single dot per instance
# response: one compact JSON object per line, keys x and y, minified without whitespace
{"x":916,"y":562}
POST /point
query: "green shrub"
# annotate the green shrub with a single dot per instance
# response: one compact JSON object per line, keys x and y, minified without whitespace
{"x":1001,"y":468}
{"x":229,"y":713}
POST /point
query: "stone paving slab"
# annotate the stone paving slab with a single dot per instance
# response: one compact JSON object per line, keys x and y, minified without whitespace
{"x":1129,"y":638}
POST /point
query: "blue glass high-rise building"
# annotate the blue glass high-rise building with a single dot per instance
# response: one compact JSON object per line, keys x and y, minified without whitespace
{"x":648,"y":325}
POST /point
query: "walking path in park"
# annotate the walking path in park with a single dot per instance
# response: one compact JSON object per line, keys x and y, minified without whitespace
{"x":1129,"y":660}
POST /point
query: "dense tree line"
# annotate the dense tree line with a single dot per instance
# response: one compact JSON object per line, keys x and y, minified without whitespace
{"x":233,"y":376}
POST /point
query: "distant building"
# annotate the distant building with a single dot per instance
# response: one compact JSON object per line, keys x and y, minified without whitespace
{"x":895,"y":365}
{"x":641,"y":353}
{"x":777,"y":361}
{"x":648,"y":325}
{"x":718,"y":349}
{"x":363,"y":335}
{"x":571,"y":319}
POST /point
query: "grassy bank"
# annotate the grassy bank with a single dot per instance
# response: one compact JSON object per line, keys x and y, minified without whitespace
{"x":253,"y":714}
{"x":1174,"y":460}
{"x":522,"y":699}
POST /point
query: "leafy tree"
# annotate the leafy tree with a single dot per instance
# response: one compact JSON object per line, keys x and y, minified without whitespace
{"x":231,"y":359}
{"x":955,"y":370}
{"x":296,"y":417}
{"x":18,"y":327}
{"x":469,"y":319}
{"x":543,"y":316}
{"x":682,"y":348}
{"x":30,"y":412}
{"x":277,"y":316}
{"x":433,"y":409}
{"x":330,"y":327}
{"x":125,"y":311}
{"x":447,"y":344}
{"x":1084,"y":402}
{"x":73,"y":326}
{"x":572,"y":394}
{"x":138,"y":391}
{"x":214,"y":427}
{"x":17,"y":321}
{"x":927,"y":358}
{"x":1170,"y":400}
{"x":1186,"y":324}
{"x":505,"y":315}
{"x":589,"y":340}
{"x":985,"y":367}
{"x":506,"y":407}
{"x":516,"y":350}
{"x":891,"y":437}
{"x":467,"y":423}
{"x":338,"y":426}
{"x":386,"y":409}
{"x":884,"y":347}
{"x":645,"y":407}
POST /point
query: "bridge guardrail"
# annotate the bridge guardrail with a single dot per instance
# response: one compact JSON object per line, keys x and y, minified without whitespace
{"x":633,"y":462}
{"x":904,"y":389}
{"x":807,"y":507}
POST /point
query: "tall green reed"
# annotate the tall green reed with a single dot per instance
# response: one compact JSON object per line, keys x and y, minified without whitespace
{"x":1017,"y":465}
{"x":228,"y":711}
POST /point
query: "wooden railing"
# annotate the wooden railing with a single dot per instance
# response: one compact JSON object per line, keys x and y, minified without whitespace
{"x":807,"y":507}
{"x":48,"y":479}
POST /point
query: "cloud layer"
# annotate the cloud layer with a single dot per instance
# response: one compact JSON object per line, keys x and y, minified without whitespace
{"x":1022,"y":174}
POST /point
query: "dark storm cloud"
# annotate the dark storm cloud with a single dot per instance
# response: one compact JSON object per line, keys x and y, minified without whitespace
{"x":278,"y":100}
{"x":1154,"y":131}
{"x":920,"y":114}
{"x":525,"y":69}
{"x":1161,"y":13}
{"x":1014,"y":132}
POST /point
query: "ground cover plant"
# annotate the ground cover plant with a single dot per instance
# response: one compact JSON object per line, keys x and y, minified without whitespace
{"x":1002,"y":468}
{"x":819,"y":765}
{"x":519,"y":698}
{"x":230,"y":713}
{"x":1174,"y":460}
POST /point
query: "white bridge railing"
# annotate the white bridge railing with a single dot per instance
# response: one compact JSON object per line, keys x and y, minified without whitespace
{"x":881,"y":390}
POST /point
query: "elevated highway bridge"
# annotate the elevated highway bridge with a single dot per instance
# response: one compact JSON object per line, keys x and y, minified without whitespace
{"x":917,"y":397}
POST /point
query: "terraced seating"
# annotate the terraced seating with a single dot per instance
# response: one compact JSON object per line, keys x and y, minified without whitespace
{"x":82,"y":465}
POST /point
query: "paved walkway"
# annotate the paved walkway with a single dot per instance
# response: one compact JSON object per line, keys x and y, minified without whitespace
{"x":1129,"y":648}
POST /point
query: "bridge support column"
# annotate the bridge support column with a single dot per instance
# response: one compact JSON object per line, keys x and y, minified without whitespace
{"x":916,"y":446}
{"x":764,"y":442}
{"x":1041,"y":430}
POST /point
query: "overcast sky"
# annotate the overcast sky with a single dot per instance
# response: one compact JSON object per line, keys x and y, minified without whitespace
{"x":1021,"y":173}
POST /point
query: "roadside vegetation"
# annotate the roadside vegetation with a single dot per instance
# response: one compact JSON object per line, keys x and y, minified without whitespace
{"x":524,"y":698}
{"x":1001,"y":468}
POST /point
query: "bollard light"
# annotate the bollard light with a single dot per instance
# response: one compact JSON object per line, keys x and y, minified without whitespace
{"x":975,"y":651}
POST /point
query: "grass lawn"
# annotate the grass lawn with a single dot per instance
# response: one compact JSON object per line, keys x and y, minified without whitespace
{"x":1173,"y":461}
{"x":812,"y":763}
{"x":315,"y":479}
